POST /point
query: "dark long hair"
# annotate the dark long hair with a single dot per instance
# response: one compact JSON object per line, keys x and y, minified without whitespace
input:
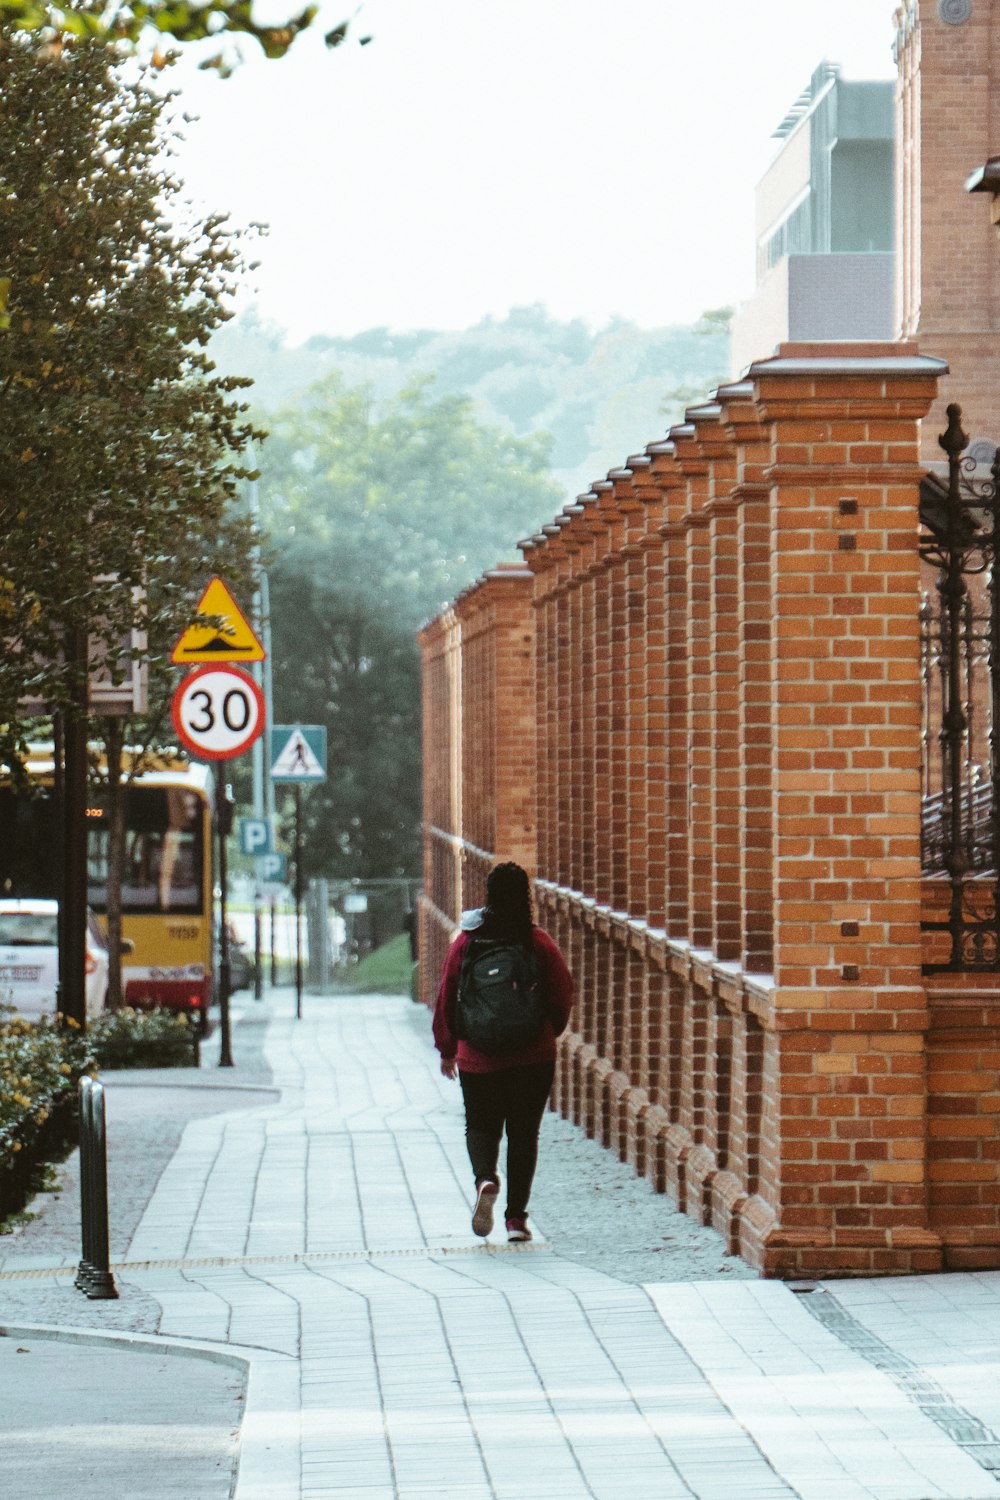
{"x":508,"y":905}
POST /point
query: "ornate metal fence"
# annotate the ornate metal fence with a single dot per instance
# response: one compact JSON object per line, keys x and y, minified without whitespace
{"x":960,"y":636}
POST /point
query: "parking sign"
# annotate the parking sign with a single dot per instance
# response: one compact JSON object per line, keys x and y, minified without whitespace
{"x":255,"y":836}
{"x":271,"y":869}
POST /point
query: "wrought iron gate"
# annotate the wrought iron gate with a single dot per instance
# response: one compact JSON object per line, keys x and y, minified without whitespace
{"x":960,"y":642}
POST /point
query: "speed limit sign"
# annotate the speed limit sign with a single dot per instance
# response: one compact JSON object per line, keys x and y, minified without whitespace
{"x":218,"y":712}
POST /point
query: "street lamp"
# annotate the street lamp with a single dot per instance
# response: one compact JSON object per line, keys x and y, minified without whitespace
{"x":986,"y":179}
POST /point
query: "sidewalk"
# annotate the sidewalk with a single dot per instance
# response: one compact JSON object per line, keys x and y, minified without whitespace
{"x":324,"y":1239}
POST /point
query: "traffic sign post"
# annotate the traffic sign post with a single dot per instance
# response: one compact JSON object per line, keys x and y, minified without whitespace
{"x":298,"y":901}
{"x":298,"y":757}
{"x":218,"y":713}
{"x":224,"y":819}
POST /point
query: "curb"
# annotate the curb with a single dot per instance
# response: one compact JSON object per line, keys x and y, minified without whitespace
{"x":142,"y":1343}
{"x":114,"y":1081}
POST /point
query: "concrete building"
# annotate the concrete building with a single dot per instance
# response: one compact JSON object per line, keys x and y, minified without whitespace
{"x":825,"y":222}
{"x":839,"y":199}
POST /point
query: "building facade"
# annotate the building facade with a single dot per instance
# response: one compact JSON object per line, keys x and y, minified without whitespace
{"x":825,"y":222}
{"x":948,"y":275}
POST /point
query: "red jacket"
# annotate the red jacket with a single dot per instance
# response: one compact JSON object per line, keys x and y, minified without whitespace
{"x":558,"y":984}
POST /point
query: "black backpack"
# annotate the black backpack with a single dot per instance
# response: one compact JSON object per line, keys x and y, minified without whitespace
{"x":500,"y":1002}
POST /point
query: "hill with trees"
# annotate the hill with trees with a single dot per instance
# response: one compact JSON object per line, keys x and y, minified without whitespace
{"x":399,"y":467}
{"x":600,"y":394}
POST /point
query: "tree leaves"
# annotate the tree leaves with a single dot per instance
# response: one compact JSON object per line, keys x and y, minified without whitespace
{"x":119,"y":445}
{"x":379,"y":512}
{"x":56,"y":24}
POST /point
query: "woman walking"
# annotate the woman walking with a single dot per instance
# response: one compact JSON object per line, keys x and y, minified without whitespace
{"x":503,"y":1086}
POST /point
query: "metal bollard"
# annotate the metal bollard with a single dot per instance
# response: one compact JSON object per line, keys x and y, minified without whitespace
{"x":93,"y":1274}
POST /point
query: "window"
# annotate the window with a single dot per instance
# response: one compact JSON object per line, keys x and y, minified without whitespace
{"x":28,"y":929}
{"x":164,"y":852}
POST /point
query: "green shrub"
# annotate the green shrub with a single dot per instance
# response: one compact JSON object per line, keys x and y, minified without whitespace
{"x":39,"y":1062}
{"x":129,"y":1038}
{"x":40,"y":1065}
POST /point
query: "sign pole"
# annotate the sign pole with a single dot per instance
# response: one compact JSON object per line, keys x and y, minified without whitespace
{"x":257,"y":761}
{"x":73,"y":896}
{"x":298,"y":901}
{"x":219,"y":712}
{"x":225,"y":977}
{"x":258,"y":961}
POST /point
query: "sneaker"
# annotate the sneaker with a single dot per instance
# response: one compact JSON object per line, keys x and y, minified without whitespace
{"x":517,"y":1228}
{"x":482,"y":1214}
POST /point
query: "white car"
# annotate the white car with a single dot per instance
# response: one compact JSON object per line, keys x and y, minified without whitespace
{"x":29,"y":958}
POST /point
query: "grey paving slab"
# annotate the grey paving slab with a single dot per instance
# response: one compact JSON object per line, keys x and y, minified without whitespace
{"x":829,"y":1422}
{"x":325,"y":1232}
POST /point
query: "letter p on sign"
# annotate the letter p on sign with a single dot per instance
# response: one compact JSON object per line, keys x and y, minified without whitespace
{"x":255,"y":836}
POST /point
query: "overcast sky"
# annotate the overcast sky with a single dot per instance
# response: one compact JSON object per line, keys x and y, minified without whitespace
{"x":598,"y":156}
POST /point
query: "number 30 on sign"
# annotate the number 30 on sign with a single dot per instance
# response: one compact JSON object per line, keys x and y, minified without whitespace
{"x":218,"y":712}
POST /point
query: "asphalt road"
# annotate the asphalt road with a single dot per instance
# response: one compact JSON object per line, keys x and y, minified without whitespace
{"x":97,"y":1423}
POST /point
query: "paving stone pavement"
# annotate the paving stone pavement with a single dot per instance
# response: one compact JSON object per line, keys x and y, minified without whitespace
{"x":324,"y":1238}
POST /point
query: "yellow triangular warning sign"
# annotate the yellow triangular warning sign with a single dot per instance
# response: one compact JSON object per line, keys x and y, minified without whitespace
{"x":235,"y":641}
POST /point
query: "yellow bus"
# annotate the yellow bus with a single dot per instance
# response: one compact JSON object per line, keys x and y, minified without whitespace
{"x":167,"y":882}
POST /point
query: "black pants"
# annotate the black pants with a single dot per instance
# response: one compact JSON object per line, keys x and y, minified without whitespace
{"x":515,"y":1098}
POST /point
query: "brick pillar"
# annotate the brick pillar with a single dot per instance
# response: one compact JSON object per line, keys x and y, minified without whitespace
{"x":698,"y":654}
{"x":560,"y":746}
{"x":440,"y":897}
{"x":590,"y":566}
{"x":432,"y":715}
{"x":654,"y":690}
{"x":477,"y":711}
{"x":612,"y":507}
{"x":575,"y":729}
{"x":514,"y":755}
{"x":715,"y":443}
{"x":603,"y":709}
{"x":632,"y":508}
{"x":753,"y":542}
{"x":670,"y":480}
{"x":846,"y":705}
{"x":603,"y":1020}
{"x":453,"y":800}
{"x":542,"y":560}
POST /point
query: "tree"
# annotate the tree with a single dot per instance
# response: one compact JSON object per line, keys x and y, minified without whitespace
{"x":55,"y":25}
{"x":378,"y":513}
{"x":715,"y":320}
{"x":119,"y":444}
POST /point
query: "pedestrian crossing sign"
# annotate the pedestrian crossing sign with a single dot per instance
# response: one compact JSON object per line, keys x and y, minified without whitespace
{"x":298,"y":752}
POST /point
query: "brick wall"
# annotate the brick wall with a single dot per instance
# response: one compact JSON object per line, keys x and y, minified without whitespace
{"x":480,"y":760}
{"x":948,"y":266}
{"x":695,"y":715}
